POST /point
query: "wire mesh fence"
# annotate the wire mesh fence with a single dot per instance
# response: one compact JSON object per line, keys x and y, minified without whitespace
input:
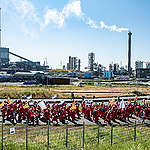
{"x":105,"y":134}
{"x":12,"y":137}
{"x":36,"y":136}
{"x":91,"y":136}
{"x":123,"y":134}
{"x":142,"y":133}
{"x":75,"y":137}
{"x":26,"y":136}
{"x":57,"y":138}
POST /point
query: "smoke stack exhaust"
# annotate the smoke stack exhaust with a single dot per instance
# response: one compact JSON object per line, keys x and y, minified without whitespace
{"x":129,"y":54}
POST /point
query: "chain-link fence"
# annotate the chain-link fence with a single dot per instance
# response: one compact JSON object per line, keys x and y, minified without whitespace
{"x":12,"y":137}
{"x":68,"y":136}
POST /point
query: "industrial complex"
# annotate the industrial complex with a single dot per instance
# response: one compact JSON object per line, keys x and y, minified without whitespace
{"x":31,"y":72}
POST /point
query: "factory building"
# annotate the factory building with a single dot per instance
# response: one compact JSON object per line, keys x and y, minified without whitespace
{"x":148,"y":65}
{"x":114,"y":68}
{"x":142,"y":70}
{"x":4,"y":52}
{"x":138,"y":64}
{"x":23,"y":65}
{"x":91,"y":61}
{"x":74,"y":64}
{"x":79,"y":65}
{"x":4,"y":56}
{"x":143,"y":73}
{"x":12,"y":67}
{"x":111,"y":68}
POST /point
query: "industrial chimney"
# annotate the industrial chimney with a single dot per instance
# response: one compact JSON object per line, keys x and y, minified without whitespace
{"x":0,"y":30}
{"x":129,"y":54}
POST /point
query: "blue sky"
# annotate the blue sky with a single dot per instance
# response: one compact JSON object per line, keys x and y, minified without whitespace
{"x":56,"y":29}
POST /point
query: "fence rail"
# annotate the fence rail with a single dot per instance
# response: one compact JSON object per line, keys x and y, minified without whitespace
{"x":25,"y":136}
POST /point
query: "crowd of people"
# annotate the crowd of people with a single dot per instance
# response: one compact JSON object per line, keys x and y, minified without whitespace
{"x":18,"y":111}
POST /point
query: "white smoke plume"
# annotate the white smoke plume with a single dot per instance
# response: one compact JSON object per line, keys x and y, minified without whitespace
{"x":29,"y":13}
{"x":92,"y":23}
{"x":112,"y":28}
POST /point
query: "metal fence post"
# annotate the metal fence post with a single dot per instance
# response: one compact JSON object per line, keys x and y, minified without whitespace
{"x":48,"y":136}
{"x":111,"y":134}
{"x":135,"y":131}
{"x":2,"y":134}
{"x":67,"y":134}
{"x":26,"y":134}
{"x":98,"y":133}
{"x":83,"y":133}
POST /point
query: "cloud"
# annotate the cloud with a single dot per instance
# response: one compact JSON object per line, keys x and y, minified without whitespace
{"x":73,"y":7}
{"x":28,"y":13}
{"x":58,"y":17}
{"x":112,"y":28}
{"x":30,"y":33}
{"x":52,"y":16}
{"x":25,"y":9}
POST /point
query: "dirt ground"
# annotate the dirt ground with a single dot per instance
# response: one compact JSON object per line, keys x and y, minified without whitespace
{"x":65,"y":91}
{"x":103,"y":91}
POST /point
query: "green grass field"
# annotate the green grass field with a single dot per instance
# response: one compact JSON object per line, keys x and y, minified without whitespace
{"x":123,"y":138}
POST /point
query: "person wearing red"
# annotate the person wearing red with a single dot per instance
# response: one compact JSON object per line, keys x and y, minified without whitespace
{"x":62,"y":116}
{"x":137,"y":111}
{"x":95,"y":115}
{"x":54,"y":117}
{"x":87,"y":113}
{"x":68,"y":112}
{"x":73,"y":115}
{"x":114,"y":114}
{"x":47,"y":115}
{"x":108,"y":116}
{"x":4,"y":112}
{"x":77,"y":110}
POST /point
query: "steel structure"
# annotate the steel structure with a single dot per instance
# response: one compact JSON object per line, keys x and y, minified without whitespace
{"x":0,"y":30}
{"x":129,"y":54}
{"x":20,"y":57}
{"x":91,"y":60}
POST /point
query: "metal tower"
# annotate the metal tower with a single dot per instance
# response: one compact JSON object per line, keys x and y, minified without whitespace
{"x":129,"y":54}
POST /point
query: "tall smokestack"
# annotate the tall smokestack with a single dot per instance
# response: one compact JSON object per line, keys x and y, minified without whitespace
{"x":129,"y":53}
{"x":0,"y":30}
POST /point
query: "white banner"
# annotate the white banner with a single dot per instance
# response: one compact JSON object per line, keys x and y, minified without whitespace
{"x":42,"y":105}
{"x":61,"y":102}
{"x":122,"y":104}
{"x":54,"y":96}
{"x":29,"y":97}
